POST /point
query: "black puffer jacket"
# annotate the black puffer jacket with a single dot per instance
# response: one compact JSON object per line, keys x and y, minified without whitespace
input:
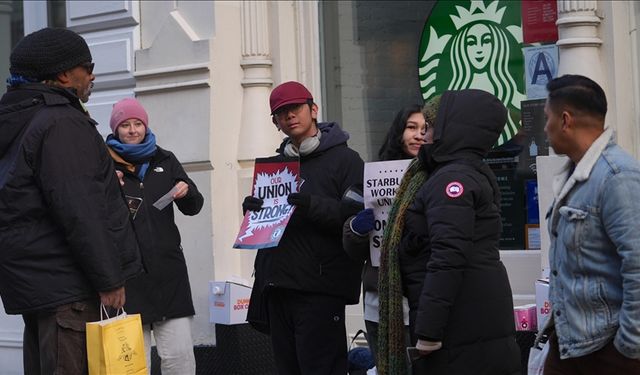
{"x":65,"y":231}
{"x":164,"y":291}
{"x":310,"y":256}
{"x":453,"y":227}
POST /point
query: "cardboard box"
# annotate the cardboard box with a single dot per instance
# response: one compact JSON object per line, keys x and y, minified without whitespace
{"x":543,"y":306}
{"x":228,"y":302}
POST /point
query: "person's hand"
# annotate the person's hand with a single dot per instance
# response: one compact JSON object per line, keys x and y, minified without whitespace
{"x":302,"y":201}
{"x":113,"y":298}
{"x":183,"y":189}
{"x":120,"y":177}
{"x":251,"y":203}
{"x":363,"y":222}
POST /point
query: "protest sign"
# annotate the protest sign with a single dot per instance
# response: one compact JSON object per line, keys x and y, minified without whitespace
{"x":273,"y":180}
{"x":381,"y":180}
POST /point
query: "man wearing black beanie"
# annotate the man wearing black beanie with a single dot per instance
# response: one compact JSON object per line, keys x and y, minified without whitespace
{"x":54,"y":55}
{"x":66,"y":239}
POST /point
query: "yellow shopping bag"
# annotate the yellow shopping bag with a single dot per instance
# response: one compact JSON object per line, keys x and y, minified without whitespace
{"x":115,"y":346}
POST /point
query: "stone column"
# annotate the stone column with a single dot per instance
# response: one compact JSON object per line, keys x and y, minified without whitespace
{"x":308,"y":48}
{"x":258,"y":136}
{"x":578,"y":39}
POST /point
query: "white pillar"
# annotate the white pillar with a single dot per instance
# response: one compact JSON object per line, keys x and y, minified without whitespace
{"x":258,"y":136}
{"x":308,"y":49}
{"x":578,"y":39}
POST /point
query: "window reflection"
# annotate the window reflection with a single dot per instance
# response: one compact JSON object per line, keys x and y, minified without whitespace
{"x":11,"y":31}
{"x":56,"y":13}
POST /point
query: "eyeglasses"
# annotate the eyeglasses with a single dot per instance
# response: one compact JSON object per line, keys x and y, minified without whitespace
{"x":283,"y":111}
{"x":88,"y":66}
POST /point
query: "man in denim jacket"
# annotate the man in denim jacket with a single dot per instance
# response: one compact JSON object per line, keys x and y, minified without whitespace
{"x":595,"y":242}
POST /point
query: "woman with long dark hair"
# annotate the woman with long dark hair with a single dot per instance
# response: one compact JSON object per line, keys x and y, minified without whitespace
{"x":408,"y":132}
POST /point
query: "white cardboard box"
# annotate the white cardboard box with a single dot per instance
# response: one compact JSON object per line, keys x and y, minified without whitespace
{"x":543,"y":306}
{"x":228,"y":302}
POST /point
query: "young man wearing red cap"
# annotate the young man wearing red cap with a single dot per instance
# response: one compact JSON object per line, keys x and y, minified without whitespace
{"x":67,"y":243}
{"x":302,"y":285}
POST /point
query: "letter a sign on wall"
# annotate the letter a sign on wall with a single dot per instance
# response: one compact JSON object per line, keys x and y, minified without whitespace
{"x":475,"y":44}
{"x":541,"y":66}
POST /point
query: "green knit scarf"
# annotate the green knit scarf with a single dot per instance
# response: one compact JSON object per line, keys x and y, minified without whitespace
{"x":391,"y":341}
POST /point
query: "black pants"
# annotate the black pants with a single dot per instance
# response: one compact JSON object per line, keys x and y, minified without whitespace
{"x":307,"y":333}
{"x":604,"y":361}
{"x":55,"y":341}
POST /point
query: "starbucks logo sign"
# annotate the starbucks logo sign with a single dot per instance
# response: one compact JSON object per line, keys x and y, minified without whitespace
{"x":475,"y":44}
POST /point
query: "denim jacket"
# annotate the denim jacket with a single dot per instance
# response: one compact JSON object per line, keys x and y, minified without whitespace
{"x":594,"y":257}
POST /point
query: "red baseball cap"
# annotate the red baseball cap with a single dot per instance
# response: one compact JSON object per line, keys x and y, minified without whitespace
{"x":289,"y":93}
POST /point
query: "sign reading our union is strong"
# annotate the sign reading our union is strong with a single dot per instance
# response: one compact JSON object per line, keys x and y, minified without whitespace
{"x":475,"y":44}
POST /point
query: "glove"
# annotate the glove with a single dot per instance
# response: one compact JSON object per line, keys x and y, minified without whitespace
{"x":363,"y":222}
{"x":302,"y":201}
{"x":251,"y":203}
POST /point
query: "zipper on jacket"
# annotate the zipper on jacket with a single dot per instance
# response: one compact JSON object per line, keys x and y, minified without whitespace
{"x":141,"y":185}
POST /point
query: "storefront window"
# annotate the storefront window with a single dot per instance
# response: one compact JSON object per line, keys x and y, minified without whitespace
{"x":381,"y":56}
{"x":371,"y":54}
{"x":12,"y":25}
{"x":56,"y":13}
{"x":11,"y":30}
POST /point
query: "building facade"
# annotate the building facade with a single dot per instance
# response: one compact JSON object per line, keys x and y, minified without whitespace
{"x":204,"y":71}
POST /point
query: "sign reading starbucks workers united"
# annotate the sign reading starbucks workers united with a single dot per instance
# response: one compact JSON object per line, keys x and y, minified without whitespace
{"x":475,"y":44}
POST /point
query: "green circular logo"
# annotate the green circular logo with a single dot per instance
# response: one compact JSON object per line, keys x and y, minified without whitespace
{"x":475,"y":44}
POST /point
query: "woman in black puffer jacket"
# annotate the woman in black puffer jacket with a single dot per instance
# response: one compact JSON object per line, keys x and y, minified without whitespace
{"x":463,"y":313}
{"x":163,"y":295}
{"x":409,"y":130}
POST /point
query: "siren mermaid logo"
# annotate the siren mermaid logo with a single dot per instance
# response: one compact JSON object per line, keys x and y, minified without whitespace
{"x":475,"y":44}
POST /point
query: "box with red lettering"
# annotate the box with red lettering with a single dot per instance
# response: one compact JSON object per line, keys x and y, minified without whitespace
{"x":228,"y":302}
{"x":543,"y":306}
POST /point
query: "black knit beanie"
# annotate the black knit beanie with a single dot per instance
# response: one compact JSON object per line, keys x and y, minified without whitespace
{"x":45,"y":53}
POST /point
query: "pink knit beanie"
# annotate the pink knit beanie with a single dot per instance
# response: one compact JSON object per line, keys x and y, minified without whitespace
{"x":125,"y":109}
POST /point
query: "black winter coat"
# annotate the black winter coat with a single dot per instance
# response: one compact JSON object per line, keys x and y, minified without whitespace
{"x":163,"y":292}
{"x":453,"y":228}
{"x":65,"y":232}
{"x":357,"y":247}
{"x":310,"y":256}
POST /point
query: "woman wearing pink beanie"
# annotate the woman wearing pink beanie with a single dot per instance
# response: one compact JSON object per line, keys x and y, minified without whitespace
{"x":162,"y":295}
